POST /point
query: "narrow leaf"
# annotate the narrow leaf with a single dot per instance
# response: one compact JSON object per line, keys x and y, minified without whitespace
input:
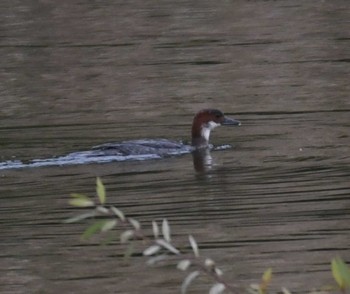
{"x":81,"y":202}
{"x":184,"y":264}
{"x":194,"y":246}
{"x":134,"y":223}
{"x":151,"y":250}
{"x":345,"y":272}
{"x":102,"y":209}
{"x":126,"y":236}
{"x":79,"y":217}
{"x":78,"y":195}
{"x":156,"y":259}
{"x":336,"y":273}
{"x":118,"y":213}
{"x":167,"y":245}
{"x":266,"y":278}
{"x":285,"y":291}
{"x":254,"y":289}
{"x":109,"y":225}
{"x":188,"y":280}
{"x":217,"y":288}
{"x":166,"y":230}
{"x":101,"y":191}
{"x":155,"y":229}
{"x":218,"y":272}
{"x":93,"y":229}
{"x":341,"y":273}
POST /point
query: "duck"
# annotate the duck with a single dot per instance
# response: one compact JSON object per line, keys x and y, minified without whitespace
{"x":203,"y":123}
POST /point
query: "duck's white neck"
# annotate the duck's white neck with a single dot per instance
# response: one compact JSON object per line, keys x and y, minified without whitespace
{"x":205,"y":132}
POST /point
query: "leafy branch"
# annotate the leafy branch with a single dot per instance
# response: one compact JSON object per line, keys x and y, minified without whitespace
{"x":160,"y":247}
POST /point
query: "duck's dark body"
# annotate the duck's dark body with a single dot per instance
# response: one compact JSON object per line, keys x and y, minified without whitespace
{"x":161,"y":147}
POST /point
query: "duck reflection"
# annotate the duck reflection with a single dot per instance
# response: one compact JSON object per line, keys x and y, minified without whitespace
{"x":202,"y":160}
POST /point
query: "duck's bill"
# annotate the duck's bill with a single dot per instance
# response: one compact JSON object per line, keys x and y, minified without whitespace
{"x":231,"y":122}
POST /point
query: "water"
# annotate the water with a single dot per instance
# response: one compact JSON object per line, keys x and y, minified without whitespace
{"x":81,"y":74}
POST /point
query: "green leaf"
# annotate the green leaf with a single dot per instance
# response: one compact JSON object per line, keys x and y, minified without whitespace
{"x":126,"y":236}
{"x":184,"y":264}
{"x":166,"y":230}
{"x":167,"y":245}
{"x":78,"y":195}
{"x":94,"y":228}
{"x":265,"y":281}
{"x":188,"y":280}
{"x":79,"y":217}
{"x":155,"y":229}
{"x":101,"y":191}
{"x":285,"y":291}
{"x":341,"y":273}
{"x":109,"y":225}
{"x":134,"y":223}
{"x":254,"y":289}
{"x":217,"y":288}
{"x":266,"y":278}
{"x":158,"y":258}
{"x":102,"y":210}
{"x":81,"y":202}
{"x":336,"y":273}
{"x":151,"y":250}
{"x":194,"y":245}
{"x":118,"y":213}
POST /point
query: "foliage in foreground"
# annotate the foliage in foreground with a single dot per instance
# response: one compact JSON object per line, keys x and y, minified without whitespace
{"x":160,"y":247}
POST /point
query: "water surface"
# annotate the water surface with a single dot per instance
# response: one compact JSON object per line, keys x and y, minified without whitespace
{"x":76,"y":75}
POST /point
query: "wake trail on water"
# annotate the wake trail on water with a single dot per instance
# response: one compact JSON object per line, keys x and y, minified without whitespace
{"x":105,"y":155}
{"x":77,"y":158}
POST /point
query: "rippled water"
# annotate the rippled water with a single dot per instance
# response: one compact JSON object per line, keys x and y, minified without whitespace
{"x":76,"y":75}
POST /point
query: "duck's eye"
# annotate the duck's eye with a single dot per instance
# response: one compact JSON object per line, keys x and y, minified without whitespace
{"x":217,"y":115}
